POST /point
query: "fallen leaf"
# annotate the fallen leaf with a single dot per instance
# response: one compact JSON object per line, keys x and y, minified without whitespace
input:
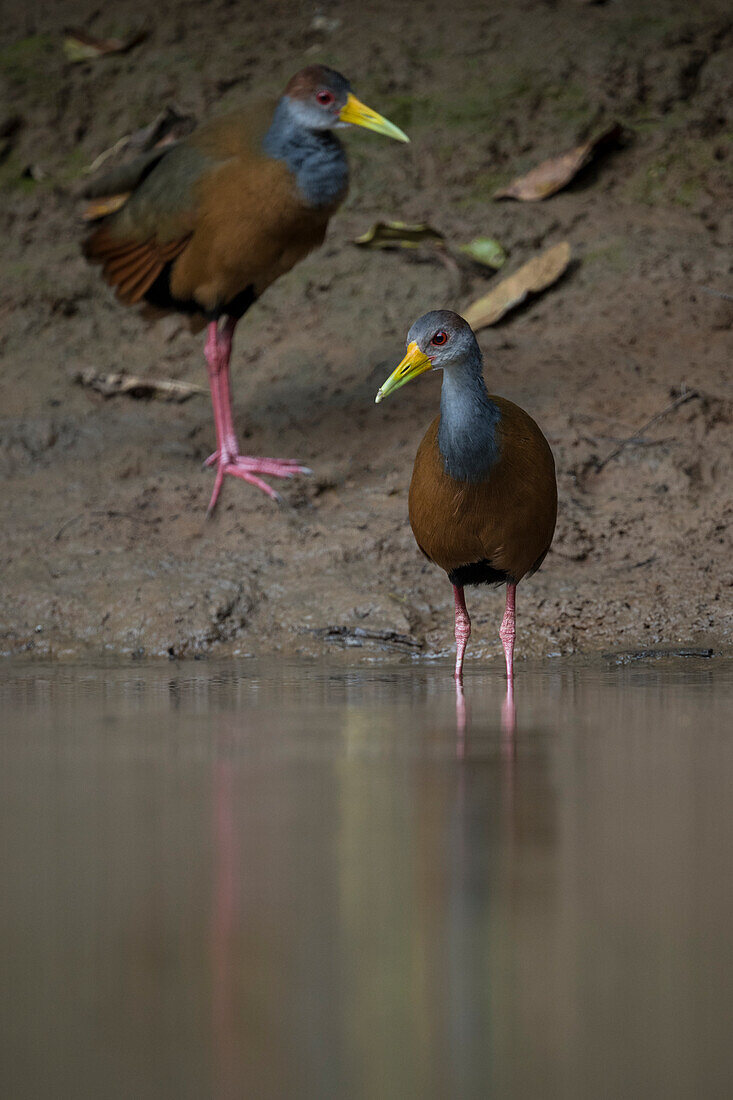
{"x":536,"y":275}
{"x":324,"y":24}
{"x":554,"y":174}
{"x":168,"y":126}
{"x":399,"y":235}
{"x":81,"y":46}
{"x":110,"y":385}
{"x":486,"y":251}
{"x":100,"y":208}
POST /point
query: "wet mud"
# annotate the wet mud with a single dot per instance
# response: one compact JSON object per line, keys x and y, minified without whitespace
{"x":625,"y":363}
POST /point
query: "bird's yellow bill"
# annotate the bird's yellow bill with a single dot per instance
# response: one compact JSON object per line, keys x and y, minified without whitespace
{"x":358,"y":114}
{"x":415,"y":362}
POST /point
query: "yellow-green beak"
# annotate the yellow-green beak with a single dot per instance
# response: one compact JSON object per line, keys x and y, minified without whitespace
{"x":358,"y":114}
{"x":415,"y":362}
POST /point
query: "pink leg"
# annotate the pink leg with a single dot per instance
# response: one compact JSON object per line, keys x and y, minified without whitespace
{"x":228,"y":460}
{"x":507,"y":630}
{"x":463,"y":630}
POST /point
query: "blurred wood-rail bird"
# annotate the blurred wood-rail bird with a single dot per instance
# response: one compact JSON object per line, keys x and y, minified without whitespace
{"x":203,"y":226}
{"x":483,"y":495}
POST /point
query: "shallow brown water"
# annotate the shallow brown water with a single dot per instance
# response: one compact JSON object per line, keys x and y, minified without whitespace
{"x":295,"y":880}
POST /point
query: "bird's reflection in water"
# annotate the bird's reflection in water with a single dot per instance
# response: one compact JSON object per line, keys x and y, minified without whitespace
{"x":223,"y":921}
{"x":460,"y":721}
{"x":509,"y":717}
{"x":508,"y":720}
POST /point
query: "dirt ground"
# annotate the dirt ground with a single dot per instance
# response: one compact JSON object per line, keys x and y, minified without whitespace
{"x":104,"y":544}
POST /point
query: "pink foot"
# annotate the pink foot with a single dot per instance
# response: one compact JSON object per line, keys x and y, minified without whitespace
{"x":226,"y":457}
{"x":246,"y":468}
{"x":274,"y":467}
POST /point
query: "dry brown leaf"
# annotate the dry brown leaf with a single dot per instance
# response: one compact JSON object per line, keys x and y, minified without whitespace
{"x":100,"y":208}
{"x":81,"y":46}
{"x":110,"y":385}
{"x":169,"y":126}
{"x":536,"y":275}
{"x":554,"y":174}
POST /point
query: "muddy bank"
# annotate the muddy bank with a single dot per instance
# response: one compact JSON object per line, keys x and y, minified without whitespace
{"x":103,"y":542}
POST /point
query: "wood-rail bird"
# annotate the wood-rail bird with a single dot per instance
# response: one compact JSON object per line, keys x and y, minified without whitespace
{"x":203,"y":226}
{"x":483,"y":494}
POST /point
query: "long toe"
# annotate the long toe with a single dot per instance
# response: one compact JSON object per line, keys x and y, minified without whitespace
{"x":274,"y":467}
{"x":251,"y":469}
{"x":218,"y":482}
{"x":247,"y":475}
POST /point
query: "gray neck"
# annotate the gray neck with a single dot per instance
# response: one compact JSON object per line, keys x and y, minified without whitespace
{"x":315,"y":157}
{"x":468,"y":420}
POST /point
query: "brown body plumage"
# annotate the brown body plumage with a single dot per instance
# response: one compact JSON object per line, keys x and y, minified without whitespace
{"x":483,"y":495}
{"x":203,"y":227}
{"x":506,"y":520}
{"x":219,"y":215}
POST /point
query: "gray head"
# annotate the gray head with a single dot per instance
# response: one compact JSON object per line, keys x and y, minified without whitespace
{"x":315,"y":96}
{"x":440,"y":339}
{"x":318,"y":98}
{"x":446,"y":339}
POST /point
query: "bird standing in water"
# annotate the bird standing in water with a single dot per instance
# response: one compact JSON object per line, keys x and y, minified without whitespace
{"x":202,"y":227}
{"x":483,"y":495}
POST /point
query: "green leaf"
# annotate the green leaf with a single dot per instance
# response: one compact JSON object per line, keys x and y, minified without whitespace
{"x":486,"y":251}
{"x":399,"y":235}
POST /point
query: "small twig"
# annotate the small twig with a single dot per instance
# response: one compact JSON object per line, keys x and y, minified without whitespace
{"x":716,"y":293}
{"x":356,"y":635}
{"x":66,"y":524}
{"x":104,"y":156}
{"x":111,"y":385}
{"x":107,"y":513}
{"x":110,"y":513}
{"x":683,"y":398}
{"x":646,"y":561}
{"x":625,"y":656}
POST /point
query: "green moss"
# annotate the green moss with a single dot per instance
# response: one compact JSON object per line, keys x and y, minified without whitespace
{"x":488,"y":102}
{"x":687,"y":192}
{"x":12,"y":178}
{"x":612,"y":254}
{"x":568,"y":102}
{"x":407,"y":111}
{"x":72,"y":166}
{"x":677,"y":175}
{"x":485,"y":184}
{"x":645,"y":26}
{"x":26,"y":59}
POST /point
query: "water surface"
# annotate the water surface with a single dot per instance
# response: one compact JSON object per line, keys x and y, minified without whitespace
{"x":267,"y":879}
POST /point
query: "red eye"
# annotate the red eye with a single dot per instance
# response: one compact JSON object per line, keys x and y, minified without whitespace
{"x":440,"y":337}
{"x":324,"y":97}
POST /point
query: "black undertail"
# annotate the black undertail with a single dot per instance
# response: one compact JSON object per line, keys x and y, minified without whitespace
{"x":478,"y":572}
{"x":482,"y":572}
{"x":159,"y":295}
